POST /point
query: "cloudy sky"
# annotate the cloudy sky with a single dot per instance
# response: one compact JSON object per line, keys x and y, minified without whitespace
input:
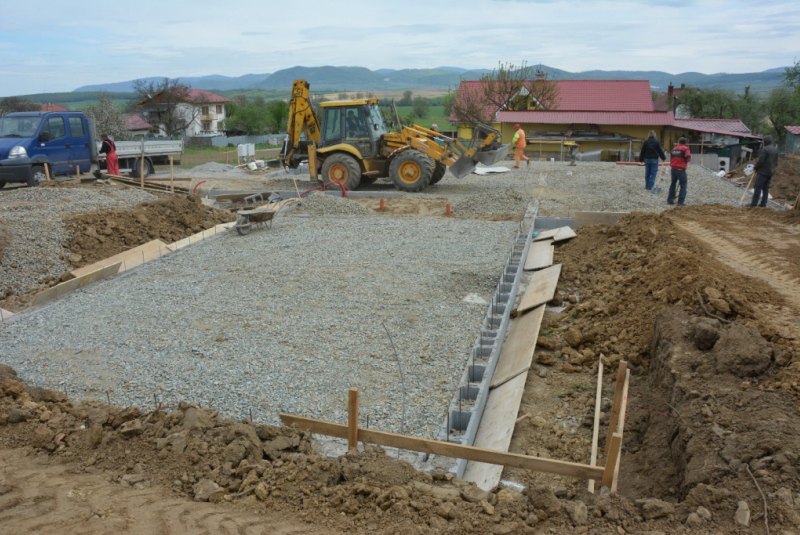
{"x":58,"y":45}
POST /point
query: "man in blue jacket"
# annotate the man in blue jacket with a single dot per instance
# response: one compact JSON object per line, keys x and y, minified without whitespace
{"x":650,"y":153}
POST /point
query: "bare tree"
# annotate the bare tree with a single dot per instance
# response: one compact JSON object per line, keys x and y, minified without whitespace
{"x":107,"y":119}
{"x":167,"y":103}
{"x":469,"y":107}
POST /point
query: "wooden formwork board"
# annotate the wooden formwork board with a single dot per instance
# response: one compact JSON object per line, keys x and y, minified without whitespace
{"x":447,"y":449}
{"x":518,"y":347}
{"x":555,"y":234}
{"x":541,"y":288}
{"x":5,"y":314}
{"x":540,"y":255}
{"x":64,"y":288}
{"x":200,"y":236}
{"x":130,"y":258}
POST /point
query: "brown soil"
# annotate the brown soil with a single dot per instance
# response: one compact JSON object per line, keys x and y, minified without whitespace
{"x":785,"y":184}
{"x":99,"y":235}
{"x":5,"y":238}
{"x":712,"y":408}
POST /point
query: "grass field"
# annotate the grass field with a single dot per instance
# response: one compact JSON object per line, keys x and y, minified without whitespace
{"x":435,"y":116}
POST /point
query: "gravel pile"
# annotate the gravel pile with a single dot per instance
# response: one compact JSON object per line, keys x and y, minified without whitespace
{"x":323,"y":204}
{"x":509,"y":202}
{"x":286,"y":319}
{"x":33,"y":217}
{"x":214,"y":167}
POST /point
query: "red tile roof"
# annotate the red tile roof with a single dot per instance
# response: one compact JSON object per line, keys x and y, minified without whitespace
{"x":793,"y":130}
{"x":592,"y":95}
{"x":726,"y":127}
{"x":588,"y":117}
{"x":206,"y":97}
{"x":134,"y":122}
{"x":52,"y":107}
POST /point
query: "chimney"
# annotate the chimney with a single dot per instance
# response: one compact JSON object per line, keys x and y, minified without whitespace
{"x":670,"y":93}
{"x":683,"y":86}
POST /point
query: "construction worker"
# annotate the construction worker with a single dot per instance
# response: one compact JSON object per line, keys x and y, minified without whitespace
{"x":110,"y":150}
{"x":679,"y":160}
{"x":764,"y":168}
{"x":649,"y":155}
{"x":519,"y":143}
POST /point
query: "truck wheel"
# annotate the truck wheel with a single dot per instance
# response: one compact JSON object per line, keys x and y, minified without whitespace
{"x":341,"y":169}
{"x":36,"y":176}
{"x":439,"y":170}
{"x":148,"y":168}
{"x":2,"y":184}
{"x":410,"y":171}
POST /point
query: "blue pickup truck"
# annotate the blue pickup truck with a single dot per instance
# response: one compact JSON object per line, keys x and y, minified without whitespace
{"x":65,"y":141}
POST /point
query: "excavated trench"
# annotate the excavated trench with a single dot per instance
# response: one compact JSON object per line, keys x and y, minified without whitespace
{"x":700,"y":419}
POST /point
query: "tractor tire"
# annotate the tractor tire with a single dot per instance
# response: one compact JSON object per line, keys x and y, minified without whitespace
{"x":410,"y":171}
{"x":36,"y":176}
{"x":439,"y":170}
{"x":341,"y":169}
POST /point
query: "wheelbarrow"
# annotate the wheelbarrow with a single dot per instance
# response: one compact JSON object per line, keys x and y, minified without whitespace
{"x":256,"y":217}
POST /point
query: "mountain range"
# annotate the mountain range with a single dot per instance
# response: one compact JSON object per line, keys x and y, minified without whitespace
{"x":362,"y":79}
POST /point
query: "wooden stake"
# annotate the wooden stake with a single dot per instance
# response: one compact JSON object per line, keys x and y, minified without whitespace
{"x":747,"y":188}
{"x":596,"y":429}
{"x":621,"y":429}
{"x":47,"y":172}
{"x":78,"y":172}
{"x":141,"y":168}
{"x":611,"y":461}
{"x":171,"y":175}
{"x":352,"y":419}
{"x":615,"y":408}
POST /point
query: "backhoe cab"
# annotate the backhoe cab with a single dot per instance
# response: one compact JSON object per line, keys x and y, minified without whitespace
{"x":352,"y":146}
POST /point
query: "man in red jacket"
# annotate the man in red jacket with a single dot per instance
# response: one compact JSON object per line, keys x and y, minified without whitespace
{"x":679,"y":160}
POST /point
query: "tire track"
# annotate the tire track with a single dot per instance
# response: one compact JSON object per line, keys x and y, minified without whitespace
{"x":52,"y":499}
{"x":766,"y":264}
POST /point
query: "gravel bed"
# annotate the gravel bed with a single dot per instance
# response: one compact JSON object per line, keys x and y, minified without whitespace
{"x":323,"y":204}
{"x":286,"y":319}
{"x":33,"y":217}
{"x":563,"y":189}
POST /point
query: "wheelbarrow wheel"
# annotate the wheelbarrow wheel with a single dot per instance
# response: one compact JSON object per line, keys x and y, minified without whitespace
{"x":243,"y":226}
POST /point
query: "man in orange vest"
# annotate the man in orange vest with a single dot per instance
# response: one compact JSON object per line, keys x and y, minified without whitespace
{"x":519,"y":143}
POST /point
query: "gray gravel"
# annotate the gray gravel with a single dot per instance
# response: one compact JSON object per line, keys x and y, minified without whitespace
{"x":33,"y":218}
{"x":323,"y":204}
{"x":280,"y":320}
{"x":563,"y":189}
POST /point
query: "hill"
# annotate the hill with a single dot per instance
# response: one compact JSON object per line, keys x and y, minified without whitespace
{"x":329,"y":78}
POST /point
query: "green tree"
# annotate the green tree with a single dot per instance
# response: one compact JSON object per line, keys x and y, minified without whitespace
{"x":15,"y":104}
{"x":406,"y":100}
{"x":420,"y":106}
{"x":709,"y":103}
{"x":107,"y":119}
{"x":277,"y":115}
{"x":447,"y":103}
{"x":783,"y":109}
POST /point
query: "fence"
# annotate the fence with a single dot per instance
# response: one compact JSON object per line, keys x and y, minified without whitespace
{"x":225,"y":141}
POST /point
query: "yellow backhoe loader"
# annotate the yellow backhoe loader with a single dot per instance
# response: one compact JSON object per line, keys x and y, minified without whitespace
{"x":352,"y":145}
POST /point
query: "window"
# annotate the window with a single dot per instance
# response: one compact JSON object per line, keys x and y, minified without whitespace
{"x":206,"y":125}
{"x":333,"y":124}
{"x":76,"y":127}
{"x":205,"y":110}
{"x":219,"y":108}
{"x":55,"y":127}
{"x":355,"y":126}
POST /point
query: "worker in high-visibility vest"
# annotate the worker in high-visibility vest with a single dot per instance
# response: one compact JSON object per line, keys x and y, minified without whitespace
{"x":519,"y":143}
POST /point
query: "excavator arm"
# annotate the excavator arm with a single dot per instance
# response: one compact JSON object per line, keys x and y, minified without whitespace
{"x":302,"y":120}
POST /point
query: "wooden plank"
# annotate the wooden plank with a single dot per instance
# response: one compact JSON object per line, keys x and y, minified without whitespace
{"x":518,"y":347}
{"x":5,"y":314}
{"x":69,"y":286}
{"x":615,"y":447}
{"x":496,"y":429}
{"x":546,"y":234}
{"x":352,"y":419}
{"x":596,"y":428}
{"x":615,"y":408}
{"x":621,"y":429}
{"x":540,"y":255}
{"x":447,"y":449}
{"x":541,"y":288}
{"x":130,"y":258}
{"x":563,"y":234}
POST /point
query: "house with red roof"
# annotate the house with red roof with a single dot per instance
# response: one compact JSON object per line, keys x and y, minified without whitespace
{"x":136,"y":125}
{"x":202,"y":113}
{"x":793,"y":139}
{"x":607,"y":120}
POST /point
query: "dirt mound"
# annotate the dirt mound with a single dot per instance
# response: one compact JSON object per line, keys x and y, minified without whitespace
{"x":785,"y":184}
{"x":99,"y":235}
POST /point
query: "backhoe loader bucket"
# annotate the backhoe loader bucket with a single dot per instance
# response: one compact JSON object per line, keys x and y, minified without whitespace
{"x":466,"y":164}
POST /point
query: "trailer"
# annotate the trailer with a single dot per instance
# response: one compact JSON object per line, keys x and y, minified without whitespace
{"x":155,"y":153}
